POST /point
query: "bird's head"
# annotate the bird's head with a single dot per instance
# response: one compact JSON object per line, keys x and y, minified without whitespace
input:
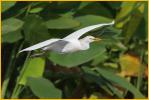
{"x":90,"y":39}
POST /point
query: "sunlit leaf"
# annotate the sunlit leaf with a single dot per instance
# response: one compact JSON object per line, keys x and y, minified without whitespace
{"x":141,"y":8}
{"x":98,"y":95}
{"x":43,"y":88}
{"x":36,"y":10}
{"x":95,"y":96}
{"x":34,"y":67}
{"x":112,"y":65}
{"x":126,"y":8}
{"x":130,"y":65}
{"x":123,"y":16}
{"x":132,"y":26}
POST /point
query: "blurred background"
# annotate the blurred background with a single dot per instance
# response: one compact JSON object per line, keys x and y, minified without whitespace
{"x":116,"y":67}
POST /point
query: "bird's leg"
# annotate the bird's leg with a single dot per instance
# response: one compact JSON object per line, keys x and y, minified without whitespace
{"x":38,"y":54}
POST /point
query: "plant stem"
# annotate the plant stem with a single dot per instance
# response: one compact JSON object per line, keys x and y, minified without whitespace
{"x":17,"y":88}
{"x":17,"y":91}
{"x":141,"y":71}
{"x":28,"y":9}
{"x":9,"y":71}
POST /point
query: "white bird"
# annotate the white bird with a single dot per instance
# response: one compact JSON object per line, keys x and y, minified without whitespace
{"x":70,"y":43}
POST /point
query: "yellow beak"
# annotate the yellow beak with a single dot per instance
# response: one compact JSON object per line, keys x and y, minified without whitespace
{"x":97,"y":39}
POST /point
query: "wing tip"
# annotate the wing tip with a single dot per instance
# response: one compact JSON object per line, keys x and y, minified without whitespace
{"x":113,"y":22}
{"x":21,"y":51}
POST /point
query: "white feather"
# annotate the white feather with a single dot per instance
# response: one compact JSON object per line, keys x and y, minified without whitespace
{"x":40,"y":45}
{"x":77,"y":34}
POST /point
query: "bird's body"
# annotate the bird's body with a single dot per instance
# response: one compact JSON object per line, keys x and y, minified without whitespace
{"x":63,"y":46}
{"x":70,"y":43}
{"x":72,"y":46}
{"x":67,"y":46}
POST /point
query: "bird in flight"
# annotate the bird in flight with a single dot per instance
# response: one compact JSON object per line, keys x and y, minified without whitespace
{"x":70,"y":43}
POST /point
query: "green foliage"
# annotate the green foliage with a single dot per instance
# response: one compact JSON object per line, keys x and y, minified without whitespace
{"x":11,"y":29}
{"x":146,"y":18}
{"x":91,"y":20}
{"x":98,"y":72}
{"x":7,"y":5}
{"x":10,"y":25}
{"x":15,"y":36}
{"x":77,"y":58}
{"x":33,"y":68}
{"x":35,"y":29}
{"x":120,"y":81}
{"x":36,"y":10}
{"x":43,"y":88}
{"x":62,"y":23}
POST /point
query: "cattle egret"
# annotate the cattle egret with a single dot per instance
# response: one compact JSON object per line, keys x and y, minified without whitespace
{"x":70,"y":43}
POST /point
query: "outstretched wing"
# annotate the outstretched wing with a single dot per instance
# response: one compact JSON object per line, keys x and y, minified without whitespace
{"x":40,"y":45}
{"x":56,"y":46}
{"x":79,"y":33}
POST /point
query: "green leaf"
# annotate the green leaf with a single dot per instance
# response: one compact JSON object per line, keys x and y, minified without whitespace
{"x":94,"y":8}
{"x":6,"y":5}
{"x":126,"y":9}
{"x":62,"y":23}
{"x":68,"y":15}
{"x":146,"y":18}
{"x":77,"y":58}
{"x":34,"y":67}
{"x":43,"y":88}
{"x":132,"y":25}
{"x":35,"y":30}
{"x":100,"y":58}
{"x":83,"y":4}
{"x":115,"y":5}
{"x":91,"y":20}
{"x":11,"y":25}
{"x":123,"y":15}
{"x":11,"y":30}
{"x":11,"y":37}
{"x":120,"y":81}
{"x":36,"y":10}
{"x":90,"y":76}
{"x":115,"y":91}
